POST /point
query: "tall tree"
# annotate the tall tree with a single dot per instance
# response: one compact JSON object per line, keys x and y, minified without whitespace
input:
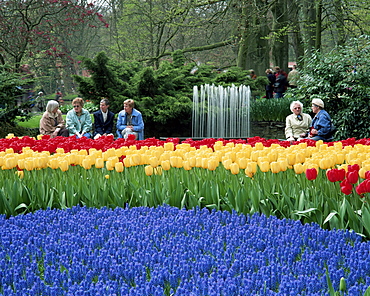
{"x":39,"y":26}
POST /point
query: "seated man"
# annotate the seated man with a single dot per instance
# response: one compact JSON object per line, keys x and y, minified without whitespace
{"x":321,"y":125}
{"x":130,"y":121}
{"x":103,"y":120}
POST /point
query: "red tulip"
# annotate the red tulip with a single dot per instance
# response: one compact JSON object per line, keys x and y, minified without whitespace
{"x":352,"y":177}
{"x":335,"y":175}
{"x":311,"y":174}
{"x":361,"y":188}
{"x":353,"y":168}
{"x":346,"y":187}
{"x":367,"y":175}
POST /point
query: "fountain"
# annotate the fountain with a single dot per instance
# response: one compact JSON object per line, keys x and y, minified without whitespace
{"x":221,"y":112}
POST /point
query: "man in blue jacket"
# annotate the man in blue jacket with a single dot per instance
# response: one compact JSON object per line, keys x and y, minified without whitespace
{"x":321,"y":125}
{"x":103,"y":120}
{"x":130,"y":121}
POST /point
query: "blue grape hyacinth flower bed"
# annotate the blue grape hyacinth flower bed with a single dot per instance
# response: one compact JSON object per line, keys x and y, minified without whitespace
{"x":168,"y":251}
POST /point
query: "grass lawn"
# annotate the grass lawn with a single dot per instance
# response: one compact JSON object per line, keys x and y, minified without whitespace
{"x":33,"y":122}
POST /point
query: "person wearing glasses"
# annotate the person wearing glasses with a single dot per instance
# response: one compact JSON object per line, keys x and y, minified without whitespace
{"x":130,"y":121}
{"x":78,"y":120}
{"x":322,"y":127}
{"x":52,"y":122}
{"x":297,"y":124}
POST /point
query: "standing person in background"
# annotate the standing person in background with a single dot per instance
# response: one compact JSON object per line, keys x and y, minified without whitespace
{"x":293,"y":77}
{"x":103,"y":120}
{"x":130,"y":121}
{"x":270,"y":86}
{"x":281,"y":83}
{"x":252,"y":74}
{"x":79,"y":120}
{"x":52,"y":122}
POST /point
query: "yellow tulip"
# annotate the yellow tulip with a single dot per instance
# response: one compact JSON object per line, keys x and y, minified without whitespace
{"x":149,"y":170}
{"x":231,"y":155}
{"x":226,"y":163}
{"x":186,"y":165}
{"x":28,"y":163}
{"x":9,"y":151}
{"x":298,"y":168}
{"x":107,"y":177}
{"x":264,"y":166}
{"x":192,"y":161}
{"x":63,"y":165}
{"x":99,"y":163}
{"x":275,"y":167}
{"x":166,"y":165}
{"x":59,"y":150}
{"x":212,"y":164}
{"x":119,"y":167}
{"x":272,"y":156}
{"x":109,"y":165}
{"x":173,"y":161}
{"x":20,"y":164}
{"x":258,"y":146}
{"x":249,"y":173}
{"x":234,"y":168}
{"x":20,"y":174}
{"x":86,"y":164}
{"x":242,"y":162}
{"x":291,"y":158}
{"x":362,"y":172}
{"x":169,"y":146}
{"x":255,"y":155}
{"x":153,"y":161}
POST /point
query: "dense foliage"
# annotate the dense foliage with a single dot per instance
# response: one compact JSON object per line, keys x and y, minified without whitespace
{"x":163,"y":95}
{"x":341,"y":79}
{"x":168,"y":251}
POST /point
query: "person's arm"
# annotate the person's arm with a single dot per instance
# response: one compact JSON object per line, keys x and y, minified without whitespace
{"x":288,"y":128}
{"x":46,"y":126}
{"x":87,"y":124}
{"x":60,"y":120}
{"x":324,"y":125}
{"x":98,"y":124}
{"x":138,"y":124}
{"x":109,"y":123}
{"x":120,"y":122}
{"x":70,"y":124}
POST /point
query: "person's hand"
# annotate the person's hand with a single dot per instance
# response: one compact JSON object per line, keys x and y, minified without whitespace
{"x":78,"y":135}
{"x":303,"y":135}
{"x":290,"y":139}
{"x":314,"y":131}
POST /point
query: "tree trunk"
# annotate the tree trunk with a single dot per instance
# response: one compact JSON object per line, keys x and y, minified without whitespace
{"x":254,"y":47}
{"x":318,"y":24}
{"x":296,"y":35}
{"x":280,"y":45}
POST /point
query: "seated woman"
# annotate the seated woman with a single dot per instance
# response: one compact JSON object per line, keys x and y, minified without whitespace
{"x":297,"y":123}
{"x":321,"y":125}
{"x":78,"y":120}
{"x":130,"y":121}
{"x":52,"y":122}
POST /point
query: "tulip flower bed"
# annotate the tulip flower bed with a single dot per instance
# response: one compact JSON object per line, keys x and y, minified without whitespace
{"x":169,"y":251}
{"x":325,"y":183}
